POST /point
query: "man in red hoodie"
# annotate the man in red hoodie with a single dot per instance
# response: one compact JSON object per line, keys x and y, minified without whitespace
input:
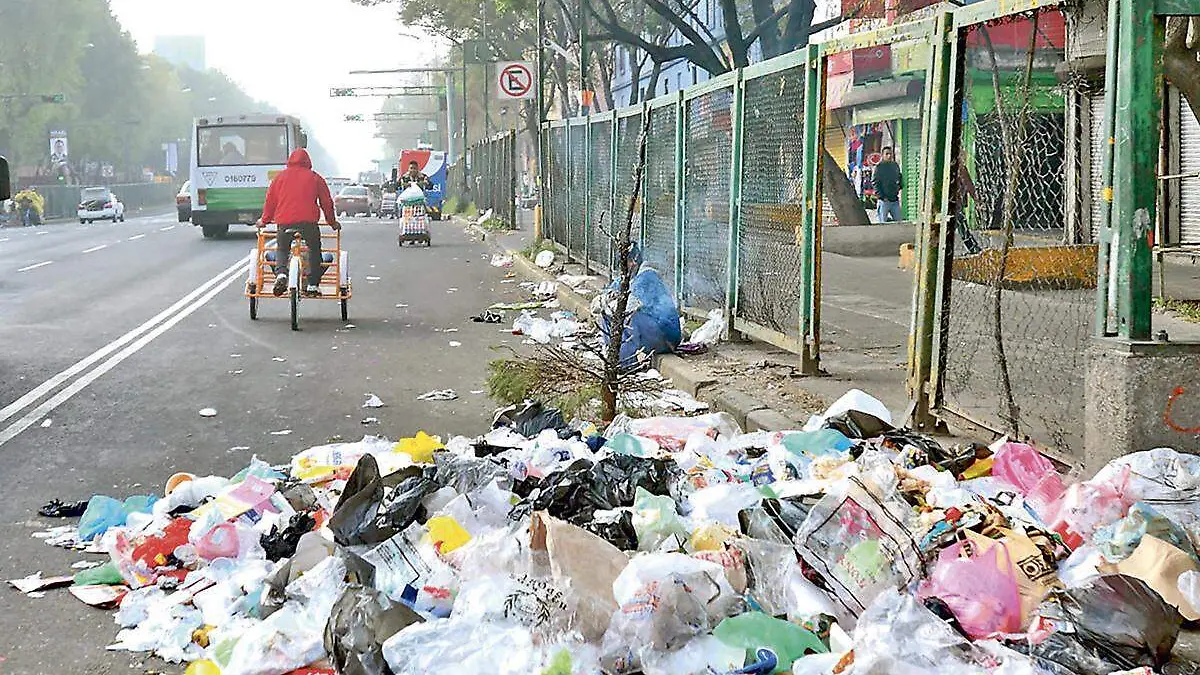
{"x":295,"y":201}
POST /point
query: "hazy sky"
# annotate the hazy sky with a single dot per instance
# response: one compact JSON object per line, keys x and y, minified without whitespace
{"x":289,"y":53}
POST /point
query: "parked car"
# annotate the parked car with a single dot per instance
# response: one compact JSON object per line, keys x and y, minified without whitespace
{"x":183,"y":202}
{"x":99,"y":203}
{"x":354,"y":200}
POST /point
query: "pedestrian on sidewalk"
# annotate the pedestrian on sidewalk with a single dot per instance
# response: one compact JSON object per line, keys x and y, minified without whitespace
{"x":295,"y":201}
{"x":888,"y":184}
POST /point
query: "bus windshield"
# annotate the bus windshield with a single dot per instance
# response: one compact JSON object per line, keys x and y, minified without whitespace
{"x":242,"y":145}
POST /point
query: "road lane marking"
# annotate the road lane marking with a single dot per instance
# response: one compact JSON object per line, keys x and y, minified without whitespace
{"x":164,"y":229}
{"x":53,"y":383}
{"x":4,"y":239}
{"x":34,"y":267}
{"x":136,"y":236}
{"x":95,"y":248}
{"x":80,"y":384}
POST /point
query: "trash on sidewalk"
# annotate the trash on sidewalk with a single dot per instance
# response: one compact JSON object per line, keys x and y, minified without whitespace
{"x":544,"y":259}
{"x":56,"y":508}
{"x":373,"y":401}
{"x":667,"y":544}
{"x":438,"y":395}
{"x":36,"y":582}
{"x":502,"y":260}
{"x":208,"y":412}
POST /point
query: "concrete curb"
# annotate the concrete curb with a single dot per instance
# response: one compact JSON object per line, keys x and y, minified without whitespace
{"x":750,"y":413}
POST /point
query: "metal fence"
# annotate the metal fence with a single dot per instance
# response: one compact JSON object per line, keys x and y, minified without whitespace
{"x":62,"y":201}
{"x":493,"y":176}
{"x":737,"y":198}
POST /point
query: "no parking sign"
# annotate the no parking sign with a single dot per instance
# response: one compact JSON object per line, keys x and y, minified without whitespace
{"x":514,"y":80}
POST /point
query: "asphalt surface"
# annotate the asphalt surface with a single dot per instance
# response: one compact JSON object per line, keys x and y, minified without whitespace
{"x":128,"y":417}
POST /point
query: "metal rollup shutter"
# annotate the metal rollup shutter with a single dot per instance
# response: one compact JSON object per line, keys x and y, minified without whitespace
{"x":1189,"y":162}
{"x":1096,"y":161}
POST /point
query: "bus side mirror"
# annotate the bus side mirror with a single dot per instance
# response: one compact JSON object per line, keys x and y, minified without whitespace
{"x":5,"y":183}
{"x":303,"y":140}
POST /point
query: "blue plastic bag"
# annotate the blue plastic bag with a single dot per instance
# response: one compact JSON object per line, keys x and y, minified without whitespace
{"x":104,"y":512}
{"x":654,"y":326}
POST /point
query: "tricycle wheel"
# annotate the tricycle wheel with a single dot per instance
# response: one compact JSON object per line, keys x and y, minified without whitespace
{"x":295,"y":293}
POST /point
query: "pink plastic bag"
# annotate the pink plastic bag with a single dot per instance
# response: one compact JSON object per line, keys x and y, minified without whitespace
{"x":981,"y":589}
{"x":1026,"y":469}
{"x":219,"y":542}
{"x":1088,"y":506}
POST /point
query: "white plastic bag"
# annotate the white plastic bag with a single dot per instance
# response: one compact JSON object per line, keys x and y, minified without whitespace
{"x":712,"y":330}
{"x":412,"y":195}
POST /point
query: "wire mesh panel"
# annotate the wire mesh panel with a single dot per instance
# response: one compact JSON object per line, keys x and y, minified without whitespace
{"x":769,"y":239}
{"x":577,"y":184}
{"x":600,"y":159}
{"x":558,"y":185}
{"x":658,"y":248}
{"x":1020,"y":301}
{"x":629,"y":129}
{"x":706,"y":194}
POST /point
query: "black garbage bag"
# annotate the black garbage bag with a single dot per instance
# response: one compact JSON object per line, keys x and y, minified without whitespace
{"x":468,"y":474}
{"x":615,"y":527}
{"x":280,"y":544}
{"x":372,"y":509}
{"x":575,"y":493}
{"x":361,"y":620}
{"x":1119,"y":623}
{"x":530,"y":419}
{"x":858,"y":425}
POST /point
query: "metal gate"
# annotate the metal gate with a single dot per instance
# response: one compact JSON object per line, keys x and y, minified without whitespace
{"x":1096,"y":162}
{"x":1189,"y":163}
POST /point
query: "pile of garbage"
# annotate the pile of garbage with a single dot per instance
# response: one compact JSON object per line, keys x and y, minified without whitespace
{"x":672,"y":545}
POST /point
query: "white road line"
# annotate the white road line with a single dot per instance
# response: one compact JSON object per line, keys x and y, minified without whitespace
{"x":4,"y":239}
{"x":34,"y":267}
{"x":136,"y":236}
{"x":49,"y":385}
{"x":79,"y":385}
{"x":95,"y":248}
{"x":164,"y":229}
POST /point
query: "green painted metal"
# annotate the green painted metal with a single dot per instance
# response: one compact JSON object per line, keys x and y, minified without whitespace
{"x":810,"y":268}
{"x":629,"y":111}
{"x":721,"y":81}
{"x":986,"y":10}
{"x":570,"y":192}
{"x":602,"y":116}
{"x":932,"y":269}
{"x":1135,"y":161}
{"x":792,"y":59}
{"x":553,"y":124}
{"x":911,"y":30}
{"x":663,"y":100}
{"x":680,"y":197}
{"x":737,"y":117}
{"x":1177,"y":7}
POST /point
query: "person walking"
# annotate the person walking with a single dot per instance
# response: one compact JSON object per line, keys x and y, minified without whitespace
{"x":295,"y":201}
{"x":888,"y":184}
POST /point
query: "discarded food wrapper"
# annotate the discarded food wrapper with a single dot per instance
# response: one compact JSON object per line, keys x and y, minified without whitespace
{"x":438,"y":395}
{"x":36,"y":582}
{"x":100,"y":596}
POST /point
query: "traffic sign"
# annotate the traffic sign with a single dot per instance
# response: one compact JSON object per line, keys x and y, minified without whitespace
{"x":515,"y":79}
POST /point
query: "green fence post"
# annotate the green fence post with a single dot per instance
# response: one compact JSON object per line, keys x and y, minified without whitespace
{"x":810,"y":270}
{"x":680,"y":191}
{"x":512,"y":177}
{"x":737,"y":112}
{"x":938,"y":109}
{"x":570,"y":191}
{"x":1135,"y":162}
{"x":587,"y":192}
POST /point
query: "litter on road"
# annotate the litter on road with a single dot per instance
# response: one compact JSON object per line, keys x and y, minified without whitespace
{"x":438,"y":395}
{"x":373,"y":401}
{"x":208,"y":412}
{"x":658,"y":545}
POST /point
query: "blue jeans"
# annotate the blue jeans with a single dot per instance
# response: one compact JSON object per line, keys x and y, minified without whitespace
{"x":883,"y":208}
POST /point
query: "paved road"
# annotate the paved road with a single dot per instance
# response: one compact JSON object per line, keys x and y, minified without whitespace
{"x":154,"y":313}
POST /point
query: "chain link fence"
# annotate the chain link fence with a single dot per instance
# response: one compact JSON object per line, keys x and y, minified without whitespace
{"x":658,"y":241}
{"x":1020,"y":302}
{"x":629,"y":129}
{"x":770,"y":254}
{"x":706,"y":178}
{"x":556,"y":199}
{"x":494,"y":174}
{"x":577,"y":161}
{"x":599,"y":245}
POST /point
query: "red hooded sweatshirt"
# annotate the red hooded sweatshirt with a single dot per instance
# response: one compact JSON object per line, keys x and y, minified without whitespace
{"x":298,"y":194}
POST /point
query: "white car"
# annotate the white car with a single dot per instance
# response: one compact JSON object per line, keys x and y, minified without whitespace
{"x":98,"y":203}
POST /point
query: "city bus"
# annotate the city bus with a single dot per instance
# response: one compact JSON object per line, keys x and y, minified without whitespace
{"x":233,"y":159}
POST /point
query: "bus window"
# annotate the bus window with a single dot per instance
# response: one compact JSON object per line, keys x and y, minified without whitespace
{"x":243,"y":145}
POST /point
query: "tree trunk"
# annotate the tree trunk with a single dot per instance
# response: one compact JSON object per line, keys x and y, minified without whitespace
{"x":1181,"y":62}
{"x":763,"y":9}
{"x":652,"y":83}
{"x":840,"y":192}
{"x":603,"y":60}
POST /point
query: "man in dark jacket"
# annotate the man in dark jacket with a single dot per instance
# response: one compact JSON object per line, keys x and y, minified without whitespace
{"x":295,"y":201}
{"x":888,"y":183}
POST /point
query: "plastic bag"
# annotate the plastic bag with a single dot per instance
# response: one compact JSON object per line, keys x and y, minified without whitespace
{"x":656,"y":522}
{"x":530,"y":419}
{"x":860,"y":544}
{"x":359,"y":623}
{"x":1119,"y":618}
{"x":104,"y":512}
{"x":897,"y":636}
{"x":583,"y":564}
{"x":462,"y":648}
{"x":367,"y":513}
{"x":575,"y":493}
{"x":1159,"y":565}
{"x":712,"y":331}
{"x":664,"y":600}
{"x":411,"y":195}
{"x":1118,"y":540}
{"x":672,"y":433}
{"x":652,"y":319}
{"x":1026,"y":469}
{"x":721,"y":503}
{"x":754,"y":630}
{"x":1087,"y":506}
{"x":853,"y":400}
{"x":979,"y":586}
{"x":702,"y":656}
